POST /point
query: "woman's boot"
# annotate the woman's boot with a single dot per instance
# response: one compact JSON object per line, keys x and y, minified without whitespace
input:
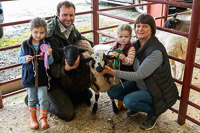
{"x":43,"y":119}
{"x":33,"y":118}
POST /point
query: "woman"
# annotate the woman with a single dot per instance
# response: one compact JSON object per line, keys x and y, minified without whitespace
{"x":150,"y":88}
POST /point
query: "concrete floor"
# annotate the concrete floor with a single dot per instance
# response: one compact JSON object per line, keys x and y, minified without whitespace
{"x":14,"y":118}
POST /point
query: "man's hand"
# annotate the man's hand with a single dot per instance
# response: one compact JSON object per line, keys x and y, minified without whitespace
{"x":69,"y":68}
{"x":49,"y":51}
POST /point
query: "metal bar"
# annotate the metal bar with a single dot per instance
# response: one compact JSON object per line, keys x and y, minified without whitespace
{"x":108,"y":42}
{"x":95,"y":20}
{"x":177,"y":59}
{"x":193,"y":120}
{"x":172,"y":3}
{"x":105,"y":34}
{"x":178,"y":81}
{"x":125,"y":7}
{"x":11,"y":66}
{"x":195,"y":88}
{"x":6,"y":82}
{"x":88,"y":31}
{"x":108,"y":27}
{"x":10,"y":47}
{"x":174,"y":110}
{"x":13,"y":93}
{"x":1,"y":102}
{"x":191,"y":51}
{"x":116,"y":17}
{"x":196,"y":65}
{"x":181,"y":13}
{"x":176,"y":32}
{"x":194,"y":105}
{"x":27,"y":21}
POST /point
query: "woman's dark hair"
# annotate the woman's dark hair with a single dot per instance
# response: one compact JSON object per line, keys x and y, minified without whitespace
{"x":67,"y":4}
{"x":147,"y":19}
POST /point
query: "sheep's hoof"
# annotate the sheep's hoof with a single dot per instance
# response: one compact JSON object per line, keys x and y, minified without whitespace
{"x":94,"y":110}
{"x":116,"y":111}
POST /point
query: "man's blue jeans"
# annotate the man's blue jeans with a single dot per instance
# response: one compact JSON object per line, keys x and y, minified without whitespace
{"x":38,"y":94}
{"x":134,"y":99}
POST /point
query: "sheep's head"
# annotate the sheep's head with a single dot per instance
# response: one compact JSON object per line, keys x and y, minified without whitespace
{"x":171,"y":23}
{"x":71,"y":53}
{"x":100,"y":60}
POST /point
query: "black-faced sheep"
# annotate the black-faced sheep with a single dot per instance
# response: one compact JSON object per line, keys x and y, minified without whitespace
{"x":98,"y":82}
{"x":176,"y":46}
{"x":180,"y":25}
{"x":76,"y":80}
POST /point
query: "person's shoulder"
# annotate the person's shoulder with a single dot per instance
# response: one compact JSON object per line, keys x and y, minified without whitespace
{"x":52,"y":20}
{"x":25,"y":42}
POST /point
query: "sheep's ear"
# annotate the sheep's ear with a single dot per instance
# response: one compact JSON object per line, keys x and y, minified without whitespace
{"x":175,"y":15}
{"x":86,"y":60}
{"x":93,"y":62}
{"x":81,"y":50}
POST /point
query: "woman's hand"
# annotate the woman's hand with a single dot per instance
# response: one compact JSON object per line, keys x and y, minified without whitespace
{"x":108,"y":70}
{"x":76,"y":64}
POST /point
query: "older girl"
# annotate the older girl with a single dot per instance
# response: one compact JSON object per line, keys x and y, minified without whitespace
{"x":34,"y":73}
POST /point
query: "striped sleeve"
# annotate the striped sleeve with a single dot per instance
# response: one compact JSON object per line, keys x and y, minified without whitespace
{"x":128,"y":61}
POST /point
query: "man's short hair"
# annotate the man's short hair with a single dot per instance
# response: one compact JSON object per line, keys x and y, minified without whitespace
{"x":67,"y":4}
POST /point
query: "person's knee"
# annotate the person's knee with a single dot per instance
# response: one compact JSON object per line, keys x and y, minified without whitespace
{"x":110,"y":93}
{"x":66,"y":116}
{"x":129,"y":103}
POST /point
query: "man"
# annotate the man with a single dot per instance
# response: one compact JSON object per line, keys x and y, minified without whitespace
{"x":62,"y":32}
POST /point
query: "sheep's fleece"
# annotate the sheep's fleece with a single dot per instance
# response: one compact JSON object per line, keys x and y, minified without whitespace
{"x":85,"y":45}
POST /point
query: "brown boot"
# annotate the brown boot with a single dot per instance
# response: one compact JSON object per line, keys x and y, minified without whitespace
{"x":120,"y":105}
{"x":33,"y":118}
{"x":43,"y":119}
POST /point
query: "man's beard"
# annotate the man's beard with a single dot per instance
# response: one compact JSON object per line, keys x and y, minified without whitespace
{"x":71,"y":22}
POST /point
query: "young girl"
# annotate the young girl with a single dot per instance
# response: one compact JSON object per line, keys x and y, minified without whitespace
{"x":34,"y":73}
{"x":124,"y":50}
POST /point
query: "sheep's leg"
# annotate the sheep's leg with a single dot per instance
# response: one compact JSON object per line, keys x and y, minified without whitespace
{"x":180,"y":76}
{"x":173,"y":68}
{"x":115,"y":109}
{"x":94,"y":110}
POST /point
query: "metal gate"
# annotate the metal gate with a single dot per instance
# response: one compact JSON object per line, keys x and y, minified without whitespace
{"x":96,"y":30}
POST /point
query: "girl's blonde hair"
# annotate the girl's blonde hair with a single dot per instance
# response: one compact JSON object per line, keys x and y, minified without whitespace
{"x":124,"y":27}
{"x":38,"y":22}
